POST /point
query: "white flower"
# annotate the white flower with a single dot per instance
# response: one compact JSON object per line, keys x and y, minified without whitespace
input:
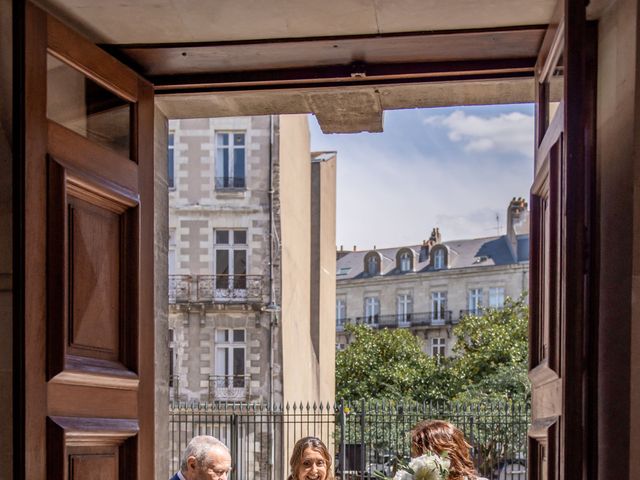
{"x":426,"y":467}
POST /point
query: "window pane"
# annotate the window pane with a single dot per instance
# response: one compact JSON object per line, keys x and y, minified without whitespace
{"x":238,"y":138}
{"x":80,"y":104}
{"x":222,"y":362}
{"x":238,"y":361}
{"x":222,"y":269}
{"x":223,"y":139}
{"x":238,"y":335}
{"x":238,"y":168}
{"x":222,"y":336}
{"x":240,"y":269}
{"x":222,"y":237}
{"x":239,"y":237}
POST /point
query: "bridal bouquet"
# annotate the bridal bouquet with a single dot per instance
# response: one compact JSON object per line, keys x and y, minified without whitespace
{"x":429,"y":466}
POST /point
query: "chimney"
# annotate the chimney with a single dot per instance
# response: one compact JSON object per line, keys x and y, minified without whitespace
{"x":424,"y":251}
{"x":435,"y":237}
{"x":517,"y":221}
{"x":340,"y":253}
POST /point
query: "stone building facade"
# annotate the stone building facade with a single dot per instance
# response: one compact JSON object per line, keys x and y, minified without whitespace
{"x":226,"y":318}
{"x":429,"y":288}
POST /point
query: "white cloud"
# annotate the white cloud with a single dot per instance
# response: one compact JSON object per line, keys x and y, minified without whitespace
{"x":386,"y":206}
{"x":504,"y":133}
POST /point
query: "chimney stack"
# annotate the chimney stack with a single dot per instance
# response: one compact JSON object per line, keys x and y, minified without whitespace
{"x":517,"y":219}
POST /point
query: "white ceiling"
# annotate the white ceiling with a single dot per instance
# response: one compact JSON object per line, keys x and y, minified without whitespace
{"x":173,"y":21}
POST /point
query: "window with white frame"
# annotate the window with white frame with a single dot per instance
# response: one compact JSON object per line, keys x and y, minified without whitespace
{"x":438,"y":259}
{"x":341,"y":311}
{"x":171,"y":180}
{"x":475,"y":300}
{"x":404,"y":307}
{"x":438,"y":347}
{"x":340,"y":347}
{"x":371,"y":310}
{"x":230,"y":160}
{"x":230,"y":358}
{"x":438,"y":305}
{"x":496,"y":297}
{"x":405,"y":262}
{"x":230,"y":259}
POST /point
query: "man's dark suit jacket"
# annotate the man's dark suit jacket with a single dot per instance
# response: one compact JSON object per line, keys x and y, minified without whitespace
{"x":175,"y":477}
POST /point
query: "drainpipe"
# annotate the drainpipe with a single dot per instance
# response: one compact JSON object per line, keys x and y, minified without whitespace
{"x":272,"y":299}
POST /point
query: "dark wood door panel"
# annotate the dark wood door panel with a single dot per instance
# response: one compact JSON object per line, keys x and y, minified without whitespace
{"x":79,"y":154}
{"x":90,"y":448}
{"x":91,"y":399}
{"x":93,"y":244}
{"x":89,"y":225}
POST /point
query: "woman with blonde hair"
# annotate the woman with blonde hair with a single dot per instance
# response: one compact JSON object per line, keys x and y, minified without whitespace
{"x":439,"y":436}
{"x":310,"y":460}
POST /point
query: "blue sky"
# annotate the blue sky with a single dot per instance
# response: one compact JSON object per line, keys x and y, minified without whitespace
{"x":455,"y":168}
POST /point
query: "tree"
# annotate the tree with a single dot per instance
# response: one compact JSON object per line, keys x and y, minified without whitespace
{"x":491,"y":354}
{"x":489,"y":361}
{"x":385,"y":364}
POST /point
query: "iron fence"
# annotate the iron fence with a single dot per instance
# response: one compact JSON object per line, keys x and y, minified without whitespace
{"x":364,"y":437}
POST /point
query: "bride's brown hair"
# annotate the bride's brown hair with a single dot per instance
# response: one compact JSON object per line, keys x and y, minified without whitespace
{"x":439,"y":436}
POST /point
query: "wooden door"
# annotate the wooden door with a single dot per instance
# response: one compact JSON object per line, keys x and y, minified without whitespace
{"x":561,"y":249}
{"x":89,"y":329}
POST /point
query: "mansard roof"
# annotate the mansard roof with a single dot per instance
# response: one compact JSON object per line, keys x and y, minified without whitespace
{"x":470,"y":253}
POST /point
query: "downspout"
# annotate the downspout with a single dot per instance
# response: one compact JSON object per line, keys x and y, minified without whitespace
{"x":272,"y":300}
{"x":273,"y":319}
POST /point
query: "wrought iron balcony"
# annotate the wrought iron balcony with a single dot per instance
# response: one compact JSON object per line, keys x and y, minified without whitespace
{"x":215,"y":288}
{"x":479,"y":310}
{"x":406,"y":320}
{"x":229,"y":288}
{"x":229,"y":387}
{"x":435,"y":318}
{"x":223,"y":183}
{"x":179,"y":288}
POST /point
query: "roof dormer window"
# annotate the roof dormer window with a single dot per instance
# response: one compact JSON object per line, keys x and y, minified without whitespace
{"x":372,"y":263}
{"x":372,"y":266}
{"x":404,"y":260}
{"x":439,"y":257}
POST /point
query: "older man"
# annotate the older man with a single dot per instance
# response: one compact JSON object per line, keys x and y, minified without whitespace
{"x":205,"y":458}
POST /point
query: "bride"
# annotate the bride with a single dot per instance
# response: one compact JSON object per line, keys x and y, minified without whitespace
{"x":438,"y":436}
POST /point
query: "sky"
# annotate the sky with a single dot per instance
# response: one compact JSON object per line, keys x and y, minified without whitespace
{"x":454,"y":168}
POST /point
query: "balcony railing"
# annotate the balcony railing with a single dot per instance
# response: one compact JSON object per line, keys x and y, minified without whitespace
{"x":229,"y":288}
{"x":223,"y":183}
{"x":404,"y":320}
{"x":215,"y":288}
{"x":179,"y":288}
{"x":229,"y":387}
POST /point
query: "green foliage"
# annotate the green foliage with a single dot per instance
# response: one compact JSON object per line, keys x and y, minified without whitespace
{"x":387,"y":364}
{"x":489,"y":361}
{"x":491,"y":353}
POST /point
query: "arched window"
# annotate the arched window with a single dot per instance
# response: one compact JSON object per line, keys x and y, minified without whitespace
{"x":372,"y":264}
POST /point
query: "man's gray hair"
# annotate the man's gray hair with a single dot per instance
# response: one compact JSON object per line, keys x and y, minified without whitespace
{"x":199,"y":447}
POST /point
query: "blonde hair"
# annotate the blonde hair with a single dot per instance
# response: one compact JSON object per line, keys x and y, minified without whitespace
{"x":439,"y":436}
{"x":301,"y":445}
